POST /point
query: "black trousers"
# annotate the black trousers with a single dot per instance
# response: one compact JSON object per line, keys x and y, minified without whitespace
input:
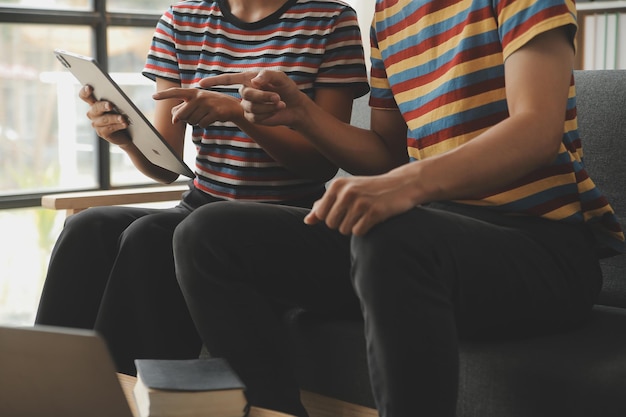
{"x":112,"y":270}
{"x":420,"y":280}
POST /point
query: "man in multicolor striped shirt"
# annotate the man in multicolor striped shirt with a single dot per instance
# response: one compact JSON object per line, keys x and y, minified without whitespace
{"x":112,"y":267}
{"x":488,"y":225}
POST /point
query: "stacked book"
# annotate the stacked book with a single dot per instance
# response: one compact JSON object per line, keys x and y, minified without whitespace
{"x":188,"y":388}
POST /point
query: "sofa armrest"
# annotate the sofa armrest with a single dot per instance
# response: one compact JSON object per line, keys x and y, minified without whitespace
{"x":75,"y":202}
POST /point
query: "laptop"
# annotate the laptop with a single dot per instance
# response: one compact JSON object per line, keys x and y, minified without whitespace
{"x":50,"y":371}
{"x":144,"y":135}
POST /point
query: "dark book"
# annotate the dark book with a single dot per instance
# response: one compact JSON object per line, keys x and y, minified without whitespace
{"x":188,"y":388}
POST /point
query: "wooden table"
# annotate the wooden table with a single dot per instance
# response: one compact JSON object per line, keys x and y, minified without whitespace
{"x":128,"y":383}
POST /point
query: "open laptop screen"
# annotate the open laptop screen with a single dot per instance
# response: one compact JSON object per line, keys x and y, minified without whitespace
{"x":52,"y":371}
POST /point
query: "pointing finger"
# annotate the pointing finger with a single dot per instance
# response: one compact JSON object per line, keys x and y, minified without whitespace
{"x":178,"y":93}
{"x":242,"y":78}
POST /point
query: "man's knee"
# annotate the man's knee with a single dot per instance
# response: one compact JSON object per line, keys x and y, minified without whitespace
{"x":410,"y":240}
{"x":152,"y":229}
{"x":382,"y":242}
{"x":211,"y":221}
{"x":91,"y":222}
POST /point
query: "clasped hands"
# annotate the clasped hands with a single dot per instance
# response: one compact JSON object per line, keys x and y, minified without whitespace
{"x":351,"y":205}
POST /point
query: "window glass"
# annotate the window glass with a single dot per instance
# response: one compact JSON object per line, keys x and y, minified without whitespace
{"x":24,"y":260}
{"x":150,"y":6}
{"x":48,"y":4}
{"x":45,"y":141}
{"x":128,"y":49}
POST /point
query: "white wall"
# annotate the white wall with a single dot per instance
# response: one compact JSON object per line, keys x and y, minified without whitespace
{"x":365,"y":11}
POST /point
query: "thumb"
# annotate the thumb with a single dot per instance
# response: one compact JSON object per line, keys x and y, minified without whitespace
{"x":276,"y":81}
{"x":311,"y":219}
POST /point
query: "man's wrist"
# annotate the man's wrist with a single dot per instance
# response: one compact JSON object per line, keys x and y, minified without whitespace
{"x":304,"y":114}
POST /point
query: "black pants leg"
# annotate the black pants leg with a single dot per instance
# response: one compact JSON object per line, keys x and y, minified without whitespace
{"x":80,"y":265}
{"x":422,"y":278}
{"x":112,"y":270}
{"x":143,"y":313}
{"x":429,"y":275}
{"x":241,"y":266}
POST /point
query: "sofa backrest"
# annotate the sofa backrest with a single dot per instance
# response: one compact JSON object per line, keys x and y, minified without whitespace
{"x":361,"y":115}
{"x":361,"y":112}
{"x":601,"y":102}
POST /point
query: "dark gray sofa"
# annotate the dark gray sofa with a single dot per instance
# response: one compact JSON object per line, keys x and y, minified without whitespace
{"x":581,"y":373}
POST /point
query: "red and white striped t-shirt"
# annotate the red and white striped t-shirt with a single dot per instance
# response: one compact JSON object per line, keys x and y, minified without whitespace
{"x":316,"y":42}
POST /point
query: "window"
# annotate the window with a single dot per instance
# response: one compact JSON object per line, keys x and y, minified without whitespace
{"x":46,"y":142}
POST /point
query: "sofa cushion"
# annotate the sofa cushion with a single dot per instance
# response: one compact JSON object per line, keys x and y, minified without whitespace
{"x":579,"y":373}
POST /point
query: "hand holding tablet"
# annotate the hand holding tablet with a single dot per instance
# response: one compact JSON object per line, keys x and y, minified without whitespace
{"x":143,"y":134}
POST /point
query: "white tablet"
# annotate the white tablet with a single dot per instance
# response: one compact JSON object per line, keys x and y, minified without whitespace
{"x":143,"y":133}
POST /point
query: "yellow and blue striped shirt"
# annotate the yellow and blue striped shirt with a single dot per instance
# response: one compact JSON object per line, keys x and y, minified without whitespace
{"x":441,"y":63}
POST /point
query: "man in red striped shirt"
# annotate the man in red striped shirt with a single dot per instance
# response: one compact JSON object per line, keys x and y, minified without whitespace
{"x":472,"y":214}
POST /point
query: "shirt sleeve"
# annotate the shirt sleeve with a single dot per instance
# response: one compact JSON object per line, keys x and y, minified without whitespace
{"x":344,"y":60}
{"x":162,"y":61}
{"x":381,"y":95}
{"x":521,"y":21}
